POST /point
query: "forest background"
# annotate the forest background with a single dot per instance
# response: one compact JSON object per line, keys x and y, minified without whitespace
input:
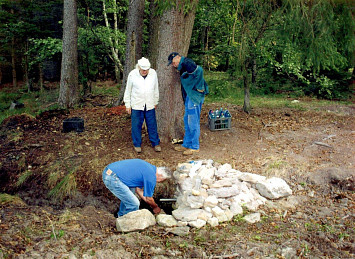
{"x":295,"y":47}
{"x":283,"y":68}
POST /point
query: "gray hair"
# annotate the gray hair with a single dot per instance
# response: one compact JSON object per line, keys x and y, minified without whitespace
{"x":163,"y":172}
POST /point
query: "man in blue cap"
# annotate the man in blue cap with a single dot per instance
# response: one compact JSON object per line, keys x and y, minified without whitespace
{"x":193,"y":89}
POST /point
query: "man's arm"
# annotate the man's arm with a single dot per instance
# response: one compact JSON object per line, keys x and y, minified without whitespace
{"x":149,"y":200}
{"x":127,"y":94}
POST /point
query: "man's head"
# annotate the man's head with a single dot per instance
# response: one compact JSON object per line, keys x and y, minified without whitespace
{"x":162,"y":174}
{"x":143,"y":66}
{"x":174,"y":58}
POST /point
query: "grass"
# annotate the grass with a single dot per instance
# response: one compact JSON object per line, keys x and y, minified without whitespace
{"x":65,"y":188}
{"x":23,"y":177}
{"x":226,"y":89}
{"x":34,"y":102}
{"x":222,"y":87}
{"x":38,"y":102}
{"x":6,"y":199}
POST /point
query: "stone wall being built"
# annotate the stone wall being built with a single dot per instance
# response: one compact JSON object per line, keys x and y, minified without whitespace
{"x":208,"y":193}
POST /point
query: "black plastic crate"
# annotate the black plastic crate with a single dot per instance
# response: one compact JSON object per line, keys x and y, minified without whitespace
{"x":219,"y":123}
{"x":73,"y":124}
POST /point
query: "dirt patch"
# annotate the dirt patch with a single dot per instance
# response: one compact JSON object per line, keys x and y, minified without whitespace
{"x":312,"y":150}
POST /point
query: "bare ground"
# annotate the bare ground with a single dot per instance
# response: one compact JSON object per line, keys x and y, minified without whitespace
{"x":64,"y":209}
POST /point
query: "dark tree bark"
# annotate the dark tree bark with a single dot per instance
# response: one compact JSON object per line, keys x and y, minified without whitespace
{"x":170,"y":32}
{"x":13,"y":62}
{"x":134,"y":41}
{"x":246,"y":106}
{"x":69,"y":86}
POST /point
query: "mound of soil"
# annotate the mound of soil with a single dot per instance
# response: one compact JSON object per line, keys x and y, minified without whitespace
{"x":67,"y":211}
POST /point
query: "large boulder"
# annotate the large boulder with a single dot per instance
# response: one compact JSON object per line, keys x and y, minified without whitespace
{"x":274,"y":188}
{"x":135,"y":220}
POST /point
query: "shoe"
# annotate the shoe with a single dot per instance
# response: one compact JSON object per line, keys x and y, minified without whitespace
{"x":157,"y":148}
{"x":138,"y":149}
{"x":190,"y":151}
{"x":180,"y":148}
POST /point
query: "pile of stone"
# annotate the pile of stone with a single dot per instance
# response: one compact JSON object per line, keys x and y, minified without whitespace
{"x":208,"y":193}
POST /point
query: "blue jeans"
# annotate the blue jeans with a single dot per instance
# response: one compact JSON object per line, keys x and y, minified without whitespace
{"x":192,"y":124}
{"x":137,"y":119}
{"x":129,"y":201}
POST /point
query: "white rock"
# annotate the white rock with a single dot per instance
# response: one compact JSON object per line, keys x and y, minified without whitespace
{"x":182,"y":223}
{"x":186,"y":185}
{"x":251,"y":178}
{"x":195,"y":166}
{"x":252,"y":218}
{"x":135,"y":220}
{"x":225,"y":204}
{"x":187,"y":214}
{"x":236,"y":208}
{"x":222,"y":183}
{"x":219,"y":214}
{"x":229,"y":214}
{"x":207,"y":174}
{"x":213,"y":222}
{"x":274,"y":188}
{"x":195,"y":202}
{"x":211,"y":201}
{"x":223,"y":169}
{"x":223,"y":192}
{"x":184,"y":167}
{"x":205,"y":215}
{"x":166,"y":220}
{"x":199,"y":223}
{"x":179,"y":231}
{"x":208,"y":209}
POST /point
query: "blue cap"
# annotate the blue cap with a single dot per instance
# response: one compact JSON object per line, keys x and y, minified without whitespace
{"x":171,"y":56}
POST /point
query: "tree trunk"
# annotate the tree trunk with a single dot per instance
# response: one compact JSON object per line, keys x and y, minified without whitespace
{"x":170,"y":32}
{"x":40,"y":69}
{"x":13,"y":62}
{"x":26,"y":72}
{"x":134,"y":42}
{"x":246,"y":106}
{"x":69,"y":86}
{"x":253,"y":72}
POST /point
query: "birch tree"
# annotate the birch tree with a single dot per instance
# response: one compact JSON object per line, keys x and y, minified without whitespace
{"x":113,"y":36}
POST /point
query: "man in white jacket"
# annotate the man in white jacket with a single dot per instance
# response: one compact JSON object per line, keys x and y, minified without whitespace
{"x":141,"y":98}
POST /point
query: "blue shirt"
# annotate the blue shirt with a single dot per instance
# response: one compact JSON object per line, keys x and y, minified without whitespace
{"x":136,"y":173}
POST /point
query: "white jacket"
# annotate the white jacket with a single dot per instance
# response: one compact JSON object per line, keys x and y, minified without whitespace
{"x":141,"y":92}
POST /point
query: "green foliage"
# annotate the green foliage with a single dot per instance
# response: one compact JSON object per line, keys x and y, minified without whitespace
{"x":210,"y":45}
{"x":6,"y":97}
{"x":43,"y":49}
{"x":298,"y":47}
{"x":303,"y":53}
{"x":35,"y":103}
{"x":223,"y":87}
{"x":184,"y":6}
